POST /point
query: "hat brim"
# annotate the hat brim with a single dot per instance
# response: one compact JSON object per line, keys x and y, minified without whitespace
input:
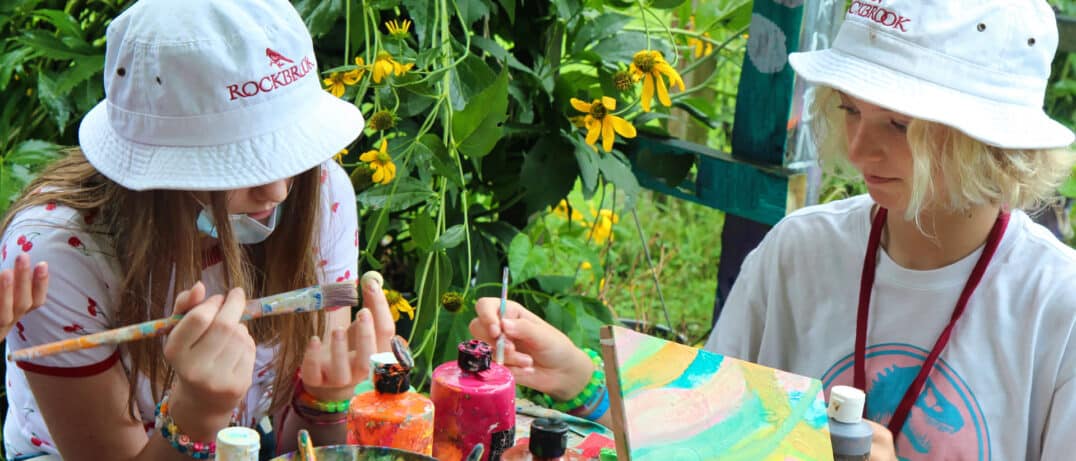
{"x":994,"y":123}
{"x":326,"y":126}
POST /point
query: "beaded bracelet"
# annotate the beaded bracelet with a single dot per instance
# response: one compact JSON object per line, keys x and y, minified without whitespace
{"x":181,"y":442}
{"x":315,"y":411}
{"x":593,"y":388}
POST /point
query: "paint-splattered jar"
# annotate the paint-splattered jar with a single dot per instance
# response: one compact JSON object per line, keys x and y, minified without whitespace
{"x":476,"y":403}
{"x":391,"y":415}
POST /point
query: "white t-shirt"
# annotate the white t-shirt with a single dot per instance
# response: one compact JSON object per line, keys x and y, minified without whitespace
{"x":1003,"y":389}
{"x":83,"y":288}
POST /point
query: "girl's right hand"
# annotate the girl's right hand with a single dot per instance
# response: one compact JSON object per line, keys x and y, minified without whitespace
{"x":212,"y":354}
{"x":539,"y":355}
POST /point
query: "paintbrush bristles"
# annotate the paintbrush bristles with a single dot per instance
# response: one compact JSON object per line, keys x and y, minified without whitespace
{"x":340,"y":294}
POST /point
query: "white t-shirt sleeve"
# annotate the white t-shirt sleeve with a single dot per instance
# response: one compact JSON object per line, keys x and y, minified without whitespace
{"x":78,"y":296}
{"x":738,"y":332}
{"x":339,"y":235}
{"x":1058,"y":442}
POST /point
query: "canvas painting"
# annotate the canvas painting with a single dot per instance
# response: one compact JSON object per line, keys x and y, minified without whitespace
{"x":671,"y":401}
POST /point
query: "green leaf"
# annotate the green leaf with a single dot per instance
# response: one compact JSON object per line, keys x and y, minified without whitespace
{"x":83,"y":69}
{"x":469,"y":78}
{"x":433,"y":276}
{"x":471,"y":10}
{"x":423,"y":14}
{"x":52,"y":47}
{"x":33,"y":152}
{"x":440,"y":160}
{"x":666,"y":4}
{"x":606,"y":25}
{"x":320,"y":15}
{"x":477,"y":128}
{"x":63,"y":22}
{"x":451,"y":238}
{"x":8,"y":62}
{"x":619,"y":173}
{"x":586,"y":157}
{"x":555,"y":283}
{"x":623,"y":46}
{"x":509,"y":7}
{"x":548,"y":173}
{"x":1068,"y":189}
{"x":377,"y":223}
{"x":57,"y":105}
{"x":383,"y":4}
{"x":404,"y":193}
{"x":525,"y":261}
{"x":567,"y":8}
{"x":423,"y":231}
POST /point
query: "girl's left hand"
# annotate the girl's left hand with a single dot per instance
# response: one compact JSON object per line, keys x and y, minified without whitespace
{"x":331,"y":371}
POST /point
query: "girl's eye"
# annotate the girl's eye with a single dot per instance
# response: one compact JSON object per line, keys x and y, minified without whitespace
{"x":902,"y":127}
{"x":849,"y":109}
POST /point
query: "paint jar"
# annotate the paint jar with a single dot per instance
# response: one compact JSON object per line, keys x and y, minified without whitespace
{"x":376,"y":360}
{"x":391,"y":415}
{"x":849,"y":434}
{"x":238,"y":444}
{"x":548,"y":442}
{"x":476,"y":403}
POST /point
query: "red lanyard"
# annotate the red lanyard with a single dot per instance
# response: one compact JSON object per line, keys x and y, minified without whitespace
{"x":866,"y":284}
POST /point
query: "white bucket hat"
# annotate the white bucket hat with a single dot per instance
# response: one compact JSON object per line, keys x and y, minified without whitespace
{"x":212,"y":95}
{"x":980,"y":66}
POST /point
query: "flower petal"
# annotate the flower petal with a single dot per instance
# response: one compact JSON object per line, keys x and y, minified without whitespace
{"x":580,"y":106}
{"x":663,"y":93}
{"x":379,"y":174}
{"x":622,"y":127}
{"x":368,"y":156}
{"x":648,"y":91}
{"x":594,"y":129}
{"x":607,"y":134}
{"x":384,"y":146}
{"x":609,"y":103}
{"x":674,"y":76}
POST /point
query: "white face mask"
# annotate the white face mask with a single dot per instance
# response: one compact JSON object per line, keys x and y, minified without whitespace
{"x":247,"y":230}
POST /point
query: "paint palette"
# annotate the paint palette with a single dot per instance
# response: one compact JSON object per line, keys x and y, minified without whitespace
{"x":359,"y":453}
{"x":671,"y":401}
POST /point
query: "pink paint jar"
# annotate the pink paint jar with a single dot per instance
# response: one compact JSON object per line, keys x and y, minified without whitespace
{"x":474,"y":402}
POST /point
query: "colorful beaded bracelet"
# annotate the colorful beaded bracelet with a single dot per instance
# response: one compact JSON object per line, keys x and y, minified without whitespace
{"x":593,"y":388}
{"x":181,"y":442}
{"x":308,"y":400}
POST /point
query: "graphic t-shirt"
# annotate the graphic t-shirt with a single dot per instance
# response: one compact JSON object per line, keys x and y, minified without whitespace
{"x":1003,"y":389}
{"x":83,"y":290}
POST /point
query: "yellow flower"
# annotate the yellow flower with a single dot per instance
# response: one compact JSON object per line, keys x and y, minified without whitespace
{"x":385,"y":65}
{"x":397,"y":29}
{"x":602,"y":229}
{"x":586,"y":266}
{"x":337,"y":82}
{"x":562,"y":211}
{"x":601,"y":122}
{"x":339,"y":157}
{"x":397,"y":304}
{"x":381,"y":163}
{"x":649,"y":65}
{"x":702,"y":48}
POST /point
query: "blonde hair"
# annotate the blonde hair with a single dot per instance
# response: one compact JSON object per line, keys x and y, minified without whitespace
{"x":949,"y":168}
{"x":153,"y":233}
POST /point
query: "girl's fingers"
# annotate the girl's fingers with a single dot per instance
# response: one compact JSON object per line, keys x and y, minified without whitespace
{"x":7,"y":314}
{"x":373,"y":298}
{"x":232,"y":310}
{"x":311,"y":368}
{"x":41,"y":284}
{"x":23,"y":296}
{"x":363,"y":341}
{"x":188,"y":299}
{"x":338,"y":370}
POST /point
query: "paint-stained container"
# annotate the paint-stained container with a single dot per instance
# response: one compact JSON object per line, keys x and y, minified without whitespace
{"x":238,"y":444}
{"x":391,"y":415}
{"x":476,"y":403}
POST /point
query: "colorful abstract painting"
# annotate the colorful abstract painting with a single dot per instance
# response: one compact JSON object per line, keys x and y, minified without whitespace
{"x":671,"y":401}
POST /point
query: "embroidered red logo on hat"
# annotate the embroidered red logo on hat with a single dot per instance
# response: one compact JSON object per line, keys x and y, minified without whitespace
{"x":878,"y":14}
{"x":277,"y":59}
{"x":273,"y":81}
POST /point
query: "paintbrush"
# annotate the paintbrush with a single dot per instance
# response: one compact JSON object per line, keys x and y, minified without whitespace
{"x":306,"y":447}
{"x":476,"y":453}
{"x":301,"y":300}
{"x":500,"y":315}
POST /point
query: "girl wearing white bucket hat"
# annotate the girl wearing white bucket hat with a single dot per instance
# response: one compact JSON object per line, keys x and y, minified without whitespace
{"x":935,"y":293}
{"x":205,"y":171}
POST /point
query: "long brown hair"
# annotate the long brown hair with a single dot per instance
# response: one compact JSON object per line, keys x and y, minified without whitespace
{"x":153,"y":233}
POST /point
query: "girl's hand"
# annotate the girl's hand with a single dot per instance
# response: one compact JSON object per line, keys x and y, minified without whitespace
{"x":882,"y":446}
{"x":540,"y":356}
{"x":212,"y":354}
{"x":21,"y":290}
{"x":331,"y":371}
